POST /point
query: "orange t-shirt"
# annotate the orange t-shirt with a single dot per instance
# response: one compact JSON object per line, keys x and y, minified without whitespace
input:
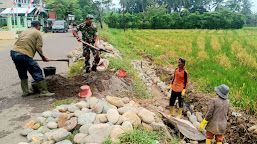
{"x":180,"y":80}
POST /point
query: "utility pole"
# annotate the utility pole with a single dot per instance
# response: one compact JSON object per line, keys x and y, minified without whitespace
{"x":124,"y":16}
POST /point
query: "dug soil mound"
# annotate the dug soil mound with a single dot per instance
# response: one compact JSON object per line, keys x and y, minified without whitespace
{"x":101,"y":84}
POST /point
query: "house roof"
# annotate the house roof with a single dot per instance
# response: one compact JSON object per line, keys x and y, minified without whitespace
{"x":17,"y":10}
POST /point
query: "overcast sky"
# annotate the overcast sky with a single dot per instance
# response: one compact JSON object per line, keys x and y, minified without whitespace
{"x":254,"y":8}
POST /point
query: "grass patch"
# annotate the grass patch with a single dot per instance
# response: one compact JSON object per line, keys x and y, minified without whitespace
{"x":62,"y":102}
{"x":72,"y":135}
{"x":76,"y":68}
{"x":141,"y":136}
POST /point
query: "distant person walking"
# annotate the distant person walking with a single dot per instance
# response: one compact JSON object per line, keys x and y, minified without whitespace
{"x":216,"y":117}
{"x":178,"y":85}
{"x":29,"y":42}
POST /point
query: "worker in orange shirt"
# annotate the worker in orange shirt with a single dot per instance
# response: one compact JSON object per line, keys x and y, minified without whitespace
{"x":178,"y":85}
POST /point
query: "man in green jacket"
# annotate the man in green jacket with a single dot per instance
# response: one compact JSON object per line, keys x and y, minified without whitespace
{"x":28,"y":43}
{"x":216,"y":117}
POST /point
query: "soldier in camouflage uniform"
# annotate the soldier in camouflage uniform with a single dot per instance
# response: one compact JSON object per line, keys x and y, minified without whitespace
{"x":89,"y":35}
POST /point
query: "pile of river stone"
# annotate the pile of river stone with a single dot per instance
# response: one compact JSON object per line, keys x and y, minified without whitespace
{"x":77,"y":53}
{"x":95,"y":119}
{"x":146,"y":73}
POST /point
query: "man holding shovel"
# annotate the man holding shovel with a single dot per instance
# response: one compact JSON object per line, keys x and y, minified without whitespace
{"x":28,"y":43}
{"x":178,"y":85}
{"x":90,"y":36}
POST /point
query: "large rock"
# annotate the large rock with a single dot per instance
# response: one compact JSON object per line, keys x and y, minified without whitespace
{"x":59,"y":135}
{"x":124,"y":109}
{"x":132,"y":118}
{"x":64,"y":142}
{"x":115,"y":101}
{"x":78,"y":113}
{"x":98,"y":133}
{"x":157,"y":126}
{"x":147,"y":127}
{"x":86,"y":118}
{"x":199,"y":116}
{"x":102,"y":130}
{"x":71,"y":124}
{"x":93,"y":139}
{"x":35,"y":134}
{"x":55,"y":114}
{"x":193,"y":118}
{"x":40,"y":120}
{"x":46,"y":114}
{"x":79,"y":137}
{"x":113,"y":116}
{"x":127,"y":125}
{"x":111,"y":106}
{"x":81,"y":104}
{"x":103,"y":118}
{"x":63,"y":117}
{"x":52,"y":125}
{"x":92,"y":102}
{"x":146,"y":116}
{"x":120,"y":120}
{"x":45,"y":129}
{"x":117,"y":131}
{"x":105,"y":106}
{"x":85,"y":128}
{"x":86,"y":110}
{"x":36,"y":126}
{"x":50,"y":119}
{"x":98,"y":108}
{"x":72,"y":108}
{"x":29,"y":125}
{"x":25,"y":132}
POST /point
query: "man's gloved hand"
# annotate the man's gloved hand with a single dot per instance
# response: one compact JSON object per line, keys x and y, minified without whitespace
{"x":167,"y":88}
{"x":204,"y":122}
{"x":183,"y":92}
{"x":45,"y":59}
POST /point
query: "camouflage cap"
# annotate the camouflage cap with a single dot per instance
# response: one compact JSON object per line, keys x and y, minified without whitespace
{"x":89,"y":16}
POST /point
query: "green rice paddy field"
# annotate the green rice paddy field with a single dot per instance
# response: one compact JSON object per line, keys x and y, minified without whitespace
{"x":213,"y":57}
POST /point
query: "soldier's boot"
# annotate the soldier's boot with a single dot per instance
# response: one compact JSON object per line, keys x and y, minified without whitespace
{"x":42,"y":87}
{"x":87,"y":70}
{"x":179,"y":113}
{"x":171,"y":110}
{"x":208,"y":141}
{"x":94,"y":68}
{"x":25,"y":87}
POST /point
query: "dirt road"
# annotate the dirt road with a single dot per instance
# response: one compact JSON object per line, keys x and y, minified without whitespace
{"x":16,"y":111}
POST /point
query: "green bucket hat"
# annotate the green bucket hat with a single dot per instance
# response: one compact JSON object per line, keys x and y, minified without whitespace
{"x":89,"y":16}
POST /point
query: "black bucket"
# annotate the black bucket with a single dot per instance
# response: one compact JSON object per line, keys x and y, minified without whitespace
{"x":49,"y":71}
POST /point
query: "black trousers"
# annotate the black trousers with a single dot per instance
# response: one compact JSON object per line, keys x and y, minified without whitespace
{"x":173,"y":98}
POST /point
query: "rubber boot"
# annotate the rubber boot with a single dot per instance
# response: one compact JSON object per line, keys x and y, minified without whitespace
{"x":25,"y":87}
{"x":87,"y":70}
{"x":179,"y":113}
{"x":171,"y":110}
{"x":208,"y":141}
{"x":94,"y":68}
{"x":219,"y":142}
{"x":42,"y":87}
